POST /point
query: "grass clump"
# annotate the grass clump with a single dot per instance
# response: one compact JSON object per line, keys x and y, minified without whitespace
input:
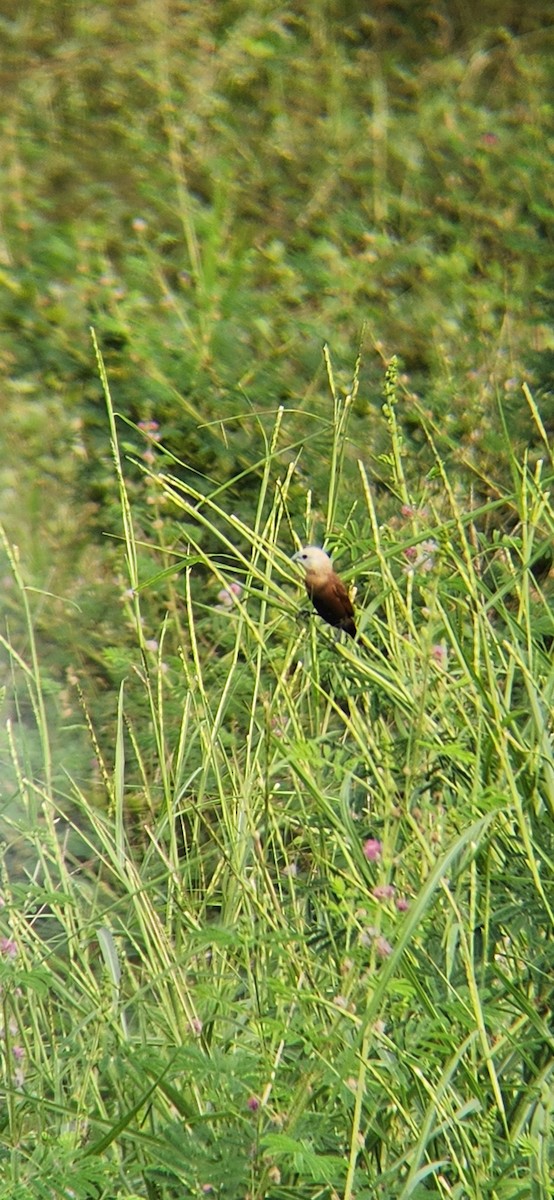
{"x":234,"y":187}
{"x":275,"y":907}
{"x":302,"y":946}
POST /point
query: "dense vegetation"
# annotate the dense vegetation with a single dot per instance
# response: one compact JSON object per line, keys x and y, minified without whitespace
{"x":276,"y":907}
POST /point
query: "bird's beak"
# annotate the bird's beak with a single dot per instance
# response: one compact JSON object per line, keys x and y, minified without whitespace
{"x":296,"y":556}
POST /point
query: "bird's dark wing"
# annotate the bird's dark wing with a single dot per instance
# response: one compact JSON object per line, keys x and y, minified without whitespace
{"x":333,"y":603}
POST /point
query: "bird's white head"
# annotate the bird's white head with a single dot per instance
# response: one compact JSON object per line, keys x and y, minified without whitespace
{"x":315,"y":561}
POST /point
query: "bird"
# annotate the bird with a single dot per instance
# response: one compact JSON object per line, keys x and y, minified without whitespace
{"x":326,"y":591}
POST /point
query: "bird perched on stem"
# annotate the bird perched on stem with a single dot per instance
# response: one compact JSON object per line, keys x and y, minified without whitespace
{"x":326,"y":591}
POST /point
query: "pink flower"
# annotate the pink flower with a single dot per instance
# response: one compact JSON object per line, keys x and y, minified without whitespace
{"x":402,"y":904}
{"x":373,"y":849}
{"x":372,"y":937}
{"x":226,"y":595}
{"x":420,"y":558}
{"x":382,"y":947}
{"x":150,"y":428}
{"x":410,"y":510}
{"x":253,"y":1103}
{"x":428,"y":551}
{"x":383,"y":891}
{"x":8,"y":947}
{"x":439,"y":654}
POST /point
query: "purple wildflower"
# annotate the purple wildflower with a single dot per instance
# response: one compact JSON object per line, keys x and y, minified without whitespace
{"x":372,"y":849}
{"x":383,"y":891}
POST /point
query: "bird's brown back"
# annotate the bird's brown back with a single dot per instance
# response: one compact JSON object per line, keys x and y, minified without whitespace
{"x":331,"y":600}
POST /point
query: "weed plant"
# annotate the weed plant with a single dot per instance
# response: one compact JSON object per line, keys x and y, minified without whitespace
{"x":296,"y":941}
{"x":276,"y":906}
{"x":233,"y":186}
